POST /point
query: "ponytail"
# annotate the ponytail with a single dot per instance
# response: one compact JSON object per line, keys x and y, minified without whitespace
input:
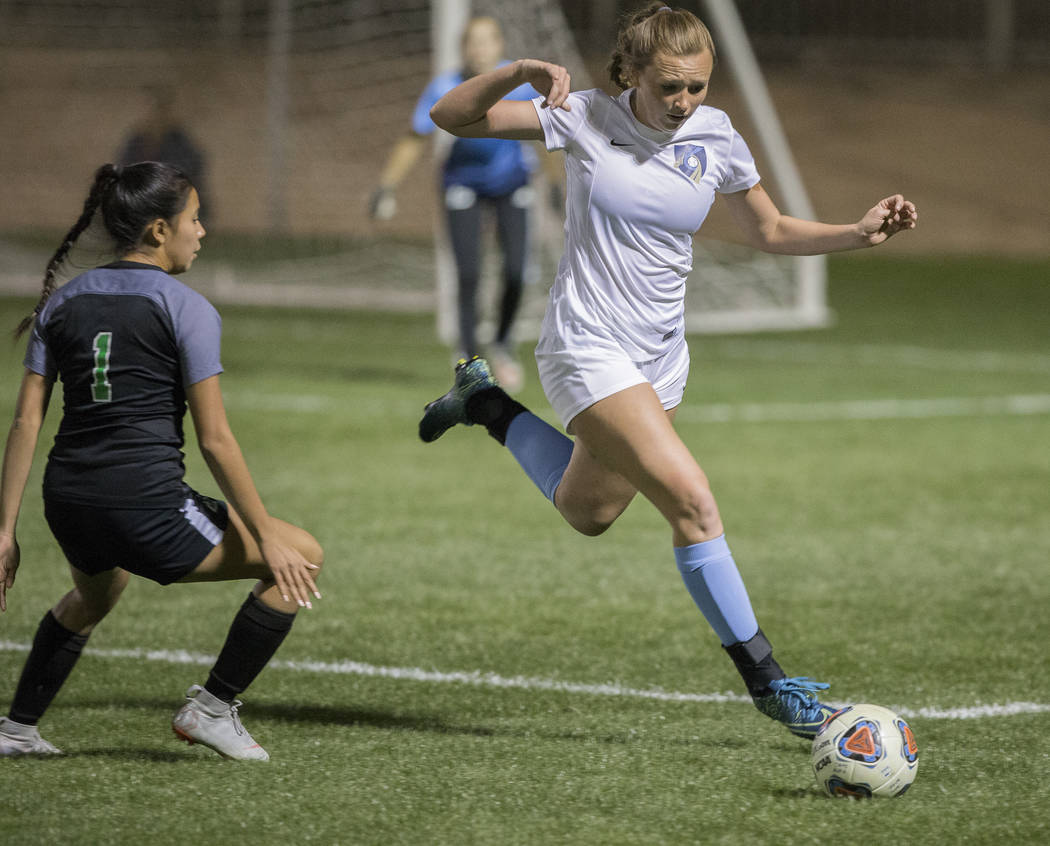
{"x":130,"y":199}
{"x":105,"y":178}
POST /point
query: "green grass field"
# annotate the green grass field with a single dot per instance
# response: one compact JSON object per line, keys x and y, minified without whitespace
{"x":885,"y":485}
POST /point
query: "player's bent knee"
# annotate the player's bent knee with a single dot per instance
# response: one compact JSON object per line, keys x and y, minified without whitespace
{"x":302,"y":542}
{"x":89,"y":611}
{"x":696,"y":509}
{"x":591,"y":521}
{"x":315,"y":555}
{"x":589,"y":528}
{"x":309,"y":547}
{"x":84,"y":607}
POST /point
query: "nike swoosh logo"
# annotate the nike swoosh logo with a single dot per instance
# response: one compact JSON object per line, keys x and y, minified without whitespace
{"x":616,"y":143}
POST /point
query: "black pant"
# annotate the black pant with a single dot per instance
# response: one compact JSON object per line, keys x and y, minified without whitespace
{"x":464,"y":226}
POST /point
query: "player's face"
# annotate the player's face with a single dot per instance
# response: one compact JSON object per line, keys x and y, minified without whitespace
{"x":181,"y":247}
{"x":482,"y":46}
{"x":670,"y":88}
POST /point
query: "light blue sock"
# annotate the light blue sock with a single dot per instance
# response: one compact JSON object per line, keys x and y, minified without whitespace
{"x":710,"y":573}
{"x":542,"y":451}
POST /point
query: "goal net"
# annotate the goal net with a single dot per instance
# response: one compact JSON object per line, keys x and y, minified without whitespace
{"x":295,"y":106}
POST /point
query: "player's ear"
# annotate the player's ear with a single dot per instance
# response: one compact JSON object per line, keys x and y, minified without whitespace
{"x":157,"y":232}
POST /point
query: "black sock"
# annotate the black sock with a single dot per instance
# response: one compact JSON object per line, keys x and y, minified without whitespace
{"x":255,"y":634}
{"x":494,"y":410}
{"x":755,"y":663}
{"x":55,"y":652}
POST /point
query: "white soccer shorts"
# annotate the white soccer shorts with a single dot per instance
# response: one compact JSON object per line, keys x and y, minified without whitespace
{"x":575,"y":379}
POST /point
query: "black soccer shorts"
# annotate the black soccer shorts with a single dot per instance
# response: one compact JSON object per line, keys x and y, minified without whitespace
{"x":162,"y":544}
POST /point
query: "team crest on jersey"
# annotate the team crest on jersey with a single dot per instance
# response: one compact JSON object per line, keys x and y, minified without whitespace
{"x":691,"y":160}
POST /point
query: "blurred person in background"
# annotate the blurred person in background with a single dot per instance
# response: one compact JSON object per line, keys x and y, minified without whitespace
{"x":643,"y":170}
{"x":477,"y":173}
{"x":134,"y":348}
{"x":161,"y":137}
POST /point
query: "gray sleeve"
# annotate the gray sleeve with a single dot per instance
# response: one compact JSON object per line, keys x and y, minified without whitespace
{"x":198,"y":333}
{"x":38,"y":358}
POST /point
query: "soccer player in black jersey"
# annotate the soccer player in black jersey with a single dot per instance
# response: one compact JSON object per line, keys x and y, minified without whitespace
{"x":134,"y":348}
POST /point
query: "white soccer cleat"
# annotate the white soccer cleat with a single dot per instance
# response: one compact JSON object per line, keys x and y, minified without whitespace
{"x":19,"y":739}
{"x":207,"y":720}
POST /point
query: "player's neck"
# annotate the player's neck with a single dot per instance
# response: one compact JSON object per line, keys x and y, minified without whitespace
{"x":146,"y":257}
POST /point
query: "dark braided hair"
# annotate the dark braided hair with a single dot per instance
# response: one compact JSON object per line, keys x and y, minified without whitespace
{"x":131,"y":198}
{"x":656,"y":28}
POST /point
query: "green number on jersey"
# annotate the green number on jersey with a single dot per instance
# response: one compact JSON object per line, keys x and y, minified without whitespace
{"x":101,"y":390}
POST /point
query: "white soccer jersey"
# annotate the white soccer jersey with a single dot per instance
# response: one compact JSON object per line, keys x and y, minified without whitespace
{"x":635,"y":196}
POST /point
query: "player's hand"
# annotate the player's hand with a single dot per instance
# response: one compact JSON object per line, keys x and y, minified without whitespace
{"x":382,"y":205}
{"x":292,"y":573}
{"x":10,"y":557}
{"x":552,"y":81}
{"x":887,"y":218}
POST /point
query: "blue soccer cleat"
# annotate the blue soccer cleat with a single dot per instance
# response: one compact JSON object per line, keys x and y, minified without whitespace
{"x":794,"y":703}
{"x":445,"y":412}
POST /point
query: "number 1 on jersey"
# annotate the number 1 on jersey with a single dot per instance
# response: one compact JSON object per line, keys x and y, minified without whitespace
{"x":101,"y":390}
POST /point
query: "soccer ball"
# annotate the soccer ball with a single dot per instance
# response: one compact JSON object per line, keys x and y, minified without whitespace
{"x":864,"y":751}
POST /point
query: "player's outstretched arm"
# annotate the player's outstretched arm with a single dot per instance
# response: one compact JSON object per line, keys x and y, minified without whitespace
{"x":33,"y":399}
{"x":767,"y":229}
{"x":476,"y":108}
{"x":888,"y":217}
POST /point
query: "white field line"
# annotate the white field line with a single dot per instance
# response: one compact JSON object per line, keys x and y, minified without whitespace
{"x":871,"y":409}
{"x":760,"y":412}
{"x":478,"y":678}
{"x":881,"y":355}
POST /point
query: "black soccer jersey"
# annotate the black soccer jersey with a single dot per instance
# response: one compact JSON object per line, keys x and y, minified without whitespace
{"x":125,"y":340}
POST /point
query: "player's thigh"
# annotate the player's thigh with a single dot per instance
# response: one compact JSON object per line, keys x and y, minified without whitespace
{"x":630,"y":434}
{"x":591,"y":483}
{"x":237,"y":555}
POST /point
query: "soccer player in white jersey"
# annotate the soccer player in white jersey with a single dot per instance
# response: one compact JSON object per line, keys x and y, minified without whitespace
{"x":642,"y":171}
